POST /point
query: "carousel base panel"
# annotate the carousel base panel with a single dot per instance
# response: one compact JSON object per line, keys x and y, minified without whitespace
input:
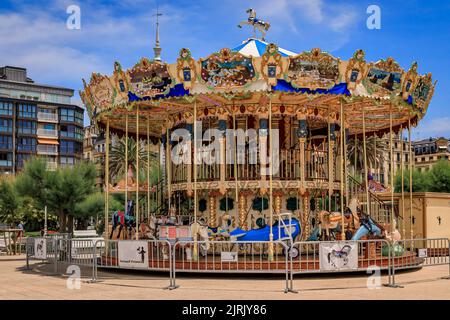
{"x":245,"y":264}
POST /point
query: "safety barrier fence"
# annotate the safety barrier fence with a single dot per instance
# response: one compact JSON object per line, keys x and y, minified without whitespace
{"x":277,"y":257}
{"x":423,"y":253}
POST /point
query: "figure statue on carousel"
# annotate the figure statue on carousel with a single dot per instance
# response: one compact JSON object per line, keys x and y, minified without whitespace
{"x":130,"y":175}
{"x":252,"y":20}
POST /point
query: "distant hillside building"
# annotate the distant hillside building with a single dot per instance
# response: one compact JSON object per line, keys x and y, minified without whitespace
{"x":429,"y":151}
{"x":37,"y":119}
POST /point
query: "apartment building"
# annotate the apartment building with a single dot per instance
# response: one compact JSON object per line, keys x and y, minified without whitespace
{"x":37,"y":120}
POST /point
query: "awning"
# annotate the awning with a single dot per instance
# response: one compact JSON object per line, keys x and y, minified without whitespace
{"x":48,"y":141}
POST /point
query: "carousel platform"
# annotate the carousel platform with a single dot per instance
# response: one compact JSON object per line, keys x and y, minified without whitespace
{"x":252,"y":264}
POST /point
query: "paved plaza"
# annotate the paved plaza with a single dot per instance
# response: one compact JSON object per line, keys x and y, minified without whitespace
{"x":38,"y":283}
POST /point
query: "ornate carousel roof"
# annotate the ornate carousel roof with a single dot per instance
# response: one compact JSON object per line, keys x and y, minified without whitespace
{"x":250,"y":78}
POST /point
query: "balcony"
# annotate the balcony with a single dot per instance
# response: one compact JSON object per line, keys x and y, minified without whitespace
{"x":49,"y":133}
{"x":47,"y":149}
{"x":47,"y":117}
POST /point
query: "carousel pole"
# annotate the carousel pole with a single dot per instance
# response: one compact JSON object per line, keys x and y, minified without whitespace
{"x":271,"y":248}
{"x":330,"y":158}
{"x":148,"y":168}
{"x":402,"y":171}
{"x":107,"y":179}
{"x":195,"y":249}
{"x":392,"y":168}
{"x":410,"y":181}
{"x":168,"y":168}
{"x":236,"y":187}
{"x":137,"y":173}
{"x":126,"y":163}
{"x":366,"y":179}
{"x":341,"y":146}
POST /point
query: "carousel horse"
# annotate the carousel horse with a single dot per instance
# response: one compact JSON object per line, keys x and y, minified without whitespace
{"x":148,"y":231}
{"x":252,"y":20}
{"x":331,"y":221}
{"x":200,"y":232}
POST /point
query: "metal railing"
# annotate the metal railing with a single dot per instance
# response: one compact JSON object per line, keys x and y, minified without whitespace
{"x":303,"y":257}
{"x":47,"y":133}
{"x":45,"y":116}
{"x":420,"y":253}
{"x":47,"y":149}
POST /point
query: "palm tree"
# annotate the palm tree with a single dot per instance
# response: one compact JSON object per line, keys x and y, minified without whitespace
{"x":376,"y":151}
{"x":117,"y":166}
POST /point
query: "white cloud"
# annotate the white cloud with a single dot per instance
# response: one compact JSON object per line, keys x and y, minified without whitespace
{"x":432,"y":127}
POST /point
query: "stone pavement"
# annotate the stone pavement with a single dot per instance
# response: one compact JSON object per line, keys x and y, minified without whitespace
{"x":37,"y":283}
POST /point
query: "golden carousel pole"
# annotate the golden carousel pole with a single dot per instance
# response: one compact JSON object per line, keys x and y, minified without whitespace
{"x":342,"y":171}
{"x":403,"y":181}
{"x":107,"y":180}
{"x":330,"y":163}
{"x":195,"y":249}
{"x":236,"y":186}
{"x":392,"y":168}
{"x":366,"y":179}
{"x":411,"y":160}
{"x":271,"y":248}
{"x":168,"y":168}
{"x":126,"y":162}
{"x":137,"y":173}
{"x":148,"y":169}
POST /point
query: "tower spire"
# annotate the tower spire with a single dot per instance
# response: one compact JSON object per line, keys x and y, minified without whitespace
{"x":157,"y":49}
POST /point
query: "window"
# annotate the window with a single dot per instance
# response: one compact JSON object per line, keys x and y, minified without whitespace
{"x":26,"y":127}
{"x":26,"y":144}
{"x":71,"y":115}
{"x":6,"y":159}
{"x":6,"y":108}
{"x":66,"y":161}
{"x":5,"y":142}
{"x":49,"y":126}
{"x":398,"y":156}
{"x":21,"y":158}
{"x":70,"y":147}
{"x":6,"y":125}
{"x":27,"y":110}
{"x":70,"y":131}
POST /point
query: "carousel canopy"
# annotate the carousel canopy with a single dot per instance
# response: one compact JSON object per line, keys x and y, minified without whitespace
{"x":253,"y":77}
{"x":256,"y":48}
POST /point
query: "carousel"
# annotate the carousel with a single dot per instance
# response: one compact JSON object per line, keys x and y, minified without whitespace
{"x":252,"y":139}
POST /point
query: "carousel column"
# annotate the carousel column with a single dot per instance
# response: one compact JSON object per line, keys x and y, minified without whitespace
{"x":242,"y":209}
{"x":331,"y":160}
{"x":222,"y":157}
{"x":107,"y":180}
{"x":302,"y":133}
{"x":263,"y":133}
{"x":212,"y":210}
{"x":195,"y":249}
{"x":137,"y":174}
{"x":168,"y":168}
{"x":163,"y":163}
{"x":189,"y":190}
{"x":305,"y":220}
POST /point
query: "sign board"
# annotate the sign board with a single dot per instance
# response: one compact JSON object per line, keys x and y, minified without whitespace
{"x":40,"y":248}
{"x":229,"y":256}
{"x":423,"y":253}
{"x":133,"y":254}
{"x":338,"y":256}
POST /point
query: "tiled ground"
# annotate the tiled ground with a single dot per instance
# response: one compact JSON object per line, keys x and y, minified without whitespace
{"x":18,"y":283}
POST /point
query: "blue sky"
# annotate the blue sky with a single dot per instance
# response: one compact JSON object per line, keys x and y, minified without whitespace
{"x":35,"y":36}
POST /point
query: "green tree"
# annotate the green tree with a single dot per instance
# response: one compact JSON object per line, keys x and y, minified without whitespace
{"x":420,"y":181}
{"x":117,"y":167}
{"x":59,"y":190}
{"x":439,"y":177}
{"x":9,"y":203}
{"x":94,"y":206}
{"x":376,"y":148}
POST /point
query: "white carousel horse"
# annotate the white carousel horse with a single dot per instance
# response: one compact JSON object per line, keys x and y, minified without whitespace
{"x":393,"y":235}
{"x":331,"y":220}
{"x":252,"y":20}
